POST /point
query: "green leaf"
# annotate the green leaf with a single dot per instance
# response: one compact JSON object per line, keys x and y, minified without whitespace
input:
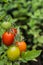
{"x":15,"y":13}
{"x":24,"y":27}
{"x":4,"y":47}
{"x":22,"y":1}
{"x":40,"y":39}
{"x":2,"y":31}
{"x":32,"y":22}
{"x":0,"y":7}
{"x":9,"y":63}
{"x":16,"y":63}
{"x":30,"y":55}
{"x":6,"y":0}
{"x":22,"y":18}
{"x":23,"y":11}
{"x":10,"y":6}
{"x":1,"y":50}
{"x":2,"y":14}
{"x":1,"y":62}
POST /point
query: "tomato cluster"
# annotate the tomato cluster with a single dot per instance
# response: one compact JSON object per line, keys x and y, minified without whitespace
{"x":16,"y":49}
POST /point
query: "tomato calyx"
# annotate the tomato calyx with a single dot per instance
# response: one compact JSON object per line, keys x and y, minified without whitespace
{"x":14,"y":31}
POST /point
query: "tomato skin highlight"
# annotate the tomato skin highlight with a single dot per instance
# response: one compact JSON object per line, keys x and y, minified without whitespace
{"x":8,"y":38}
{"x":13,"y":53}
{"x":22,"y":46}
{"x":14,"y":31}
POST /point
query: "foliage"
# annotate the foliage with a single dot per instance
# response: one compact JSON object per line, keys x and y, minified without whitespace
{"x":26,"y":15}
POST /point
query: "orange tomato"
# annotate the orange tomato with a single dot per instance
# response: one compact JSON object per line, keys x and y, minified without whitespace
{"x":22,"y":46}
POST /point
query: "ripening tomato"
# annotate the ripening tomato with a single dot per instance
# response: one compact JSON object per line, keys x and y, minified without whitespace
{"x":22,"y":46}
{"x":13,"y":53}
{"x":8,"y":38}
{"x":14,"y":31}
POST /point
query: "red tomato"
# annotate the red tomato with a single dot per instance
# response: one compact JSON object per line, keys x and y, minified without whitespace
{"x":14,"y":30}
{"x":22,"y":46}
{"x":8,"y":38}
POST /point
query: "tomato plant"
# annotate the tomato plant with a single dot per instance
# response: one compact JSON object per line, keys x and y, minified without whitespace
{"x":24,"y":20}
{"x":13,"y":53}
{"x":8,"y":38}
{"x":22,"y":46}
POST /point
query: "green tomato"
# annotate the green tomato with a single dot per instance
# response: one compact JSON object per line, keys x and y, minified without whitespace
{"x":13,"y":53}
{"x":6,"y":25}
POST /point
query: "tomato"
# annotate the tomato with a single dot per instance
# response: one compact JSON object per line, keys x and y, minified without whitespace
{"x":22,"y":46}
{"x":6,"y":25}
{"x":8,"y":38}
{"x":13,"y":53}
{"x":14,"y":30}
